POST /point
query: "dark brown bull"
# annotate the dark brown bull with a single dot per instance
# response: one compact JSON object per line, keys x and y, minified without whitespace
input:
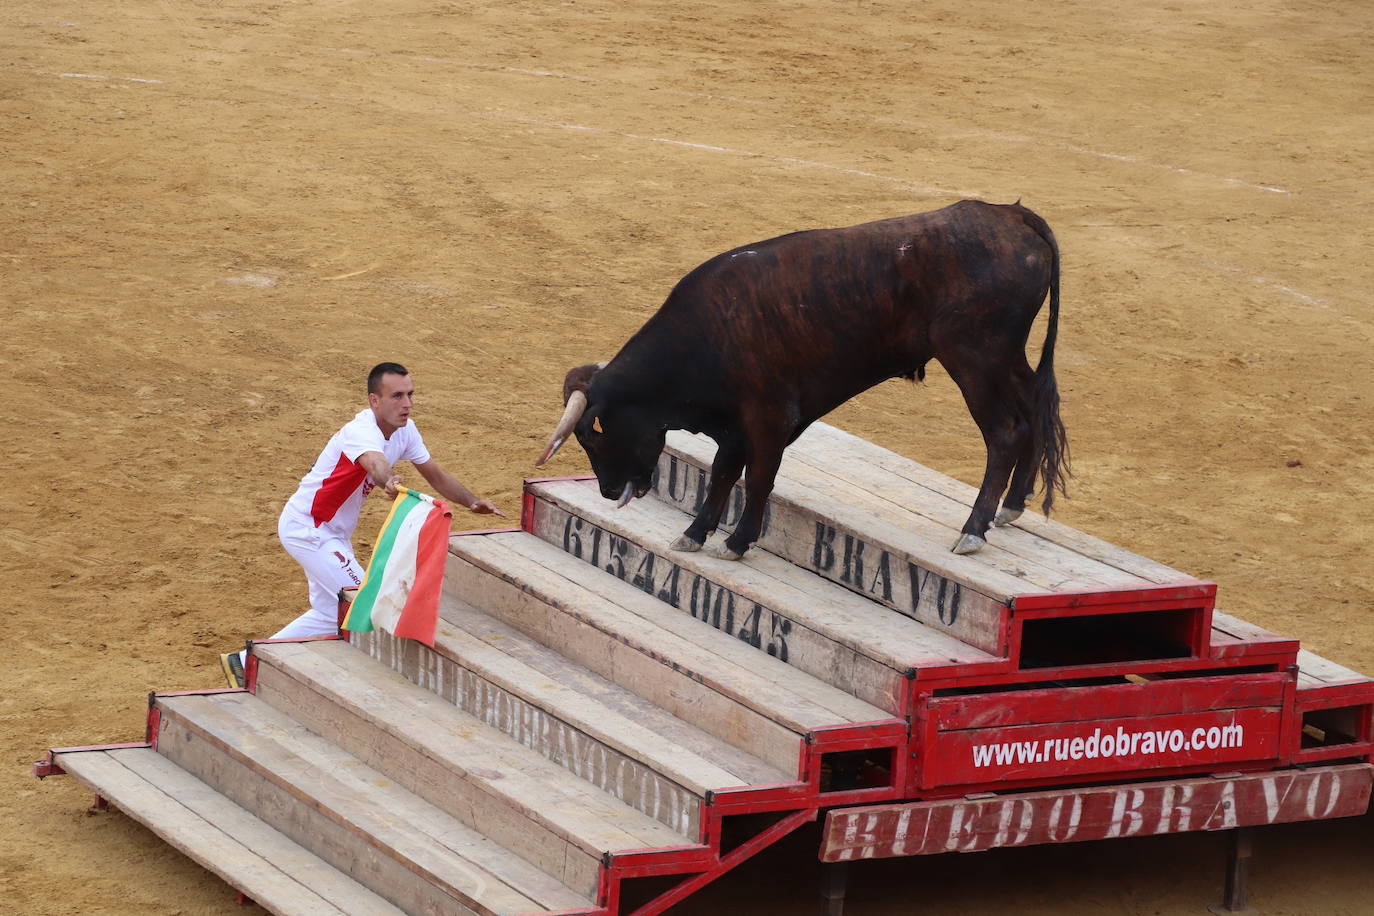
{"x":754,"y":345}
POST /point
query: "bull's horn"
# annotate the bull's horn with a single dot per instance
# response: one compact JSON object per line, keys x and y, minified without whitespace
{"x":577,"y":405}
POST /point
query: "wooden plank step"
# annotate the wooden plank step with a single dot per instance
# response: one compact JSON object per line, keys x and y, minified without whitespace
{"x":1315,"y":671}
{"x":912,"y":485}
{"x":280,"y":875}
{"x":840,"y":509}
{"x":912,"y":574}
{"x":1335,"y":711}
{"x":441,"y":672}
{"x":407,"y":849}
{"x":552,"y":706}
{"x":696,"y":672}
{"x":1232,"y":637}
{"x":478,"y":773}
{"x":766,"y":601}
{"x":1038,"y":565}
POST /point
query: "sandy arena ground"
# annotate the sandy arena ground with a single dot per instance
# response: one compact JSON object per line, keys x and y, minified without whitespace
{"x":220,"y":213}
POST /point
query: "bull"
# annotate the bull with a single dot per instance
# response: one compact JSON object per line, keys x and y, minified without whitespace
{"x":757,"y":343}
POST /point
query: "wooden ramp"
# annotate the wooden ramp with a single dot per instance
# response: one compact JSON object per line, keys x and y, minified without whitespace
{"x":604,"y":726}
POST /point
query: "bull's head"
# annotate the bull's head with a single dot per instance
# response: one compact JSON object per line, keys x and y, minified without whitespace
{"x":623,"y":441}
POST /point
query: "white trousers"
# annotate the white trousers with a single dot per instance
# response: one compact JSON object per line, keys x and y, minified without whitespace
{"x":329,"y":566}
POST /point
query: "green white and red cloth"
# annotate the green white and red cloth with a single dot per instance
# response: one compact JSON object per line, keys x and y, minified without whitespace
{"x":400,"y":591}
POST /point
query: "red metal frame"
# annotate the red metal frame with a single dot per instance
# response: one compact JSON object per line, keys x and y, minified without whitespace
{"x":1356,"y":695}
{"x":154,"y":721}
{"x":1017,"y":730}
{"x":652,"y":862}
{"x":1185,"y":593}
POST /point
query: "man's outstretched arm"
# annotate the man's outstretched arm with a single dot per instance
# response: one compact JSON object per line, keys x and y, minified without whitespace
{"x":452,"y":489}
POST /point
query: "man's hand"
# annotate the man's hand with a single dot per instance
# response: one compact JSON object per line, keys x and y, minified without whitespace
{"x":379,"y":472}
{"x":450,"y":489}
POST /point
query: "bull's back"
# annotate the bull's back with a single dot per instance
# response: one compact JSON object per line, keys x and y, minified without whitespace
{"x":846,"y":308}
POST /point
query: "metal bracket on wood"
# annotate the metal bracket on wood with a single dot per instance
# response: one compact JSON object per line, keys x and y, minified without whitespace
{"x":100,"y":804}
{"x":48,"y":766}
{"x":834,"y":881}
{"x":1237,"y":874}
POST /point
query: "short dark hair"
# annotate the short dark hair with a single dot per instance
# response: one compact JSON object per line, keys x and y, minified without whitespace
{"x":374,"y":378}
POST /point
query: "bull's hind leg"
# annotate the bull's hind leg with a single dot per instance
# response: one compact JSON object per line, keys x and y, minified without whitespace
{"x":993,"y":403}
{"x":725,"y":470}
{"x":1027,"y":461}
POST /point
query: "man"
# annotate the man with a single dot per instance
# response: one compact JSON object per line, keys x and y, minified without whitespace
{"x":316,"y":526}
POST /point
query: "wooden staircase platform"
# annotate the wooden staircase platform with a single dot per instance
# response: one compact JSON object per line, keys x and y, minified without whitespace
{"x":412,"y":852}
{"x":604,"y":725}
{"x":765,"y":601}
{"x":604,"y":735}
{"x":1040,"y":595}
{"x":280,"y":875}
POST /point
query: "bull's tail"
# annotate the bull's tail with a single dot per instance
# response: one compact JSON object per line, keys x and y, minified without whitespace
{"x":1050,"y":443}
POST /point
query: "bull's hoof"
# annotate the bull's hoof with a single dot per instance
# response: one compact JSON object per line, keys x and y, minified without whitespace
{"x":722,"y":552}
{"x":968,"y":543}
{"x":684,"y":544}
{"x":1006,"y":517}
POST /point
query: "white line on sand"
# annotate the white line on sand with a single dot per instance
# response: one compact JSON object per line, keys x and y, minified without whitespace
{"x":787,"y":160}
{"x":97,"y":76}
{"x":1080,"y":150}
{"x":988,"y":135}
{"x":916,"y":186}
{"x":547,"y":74}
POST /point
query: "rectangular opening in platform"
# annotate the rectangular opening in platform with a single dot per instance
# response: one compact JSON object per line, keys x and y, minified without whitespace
{"x":638,"y":892}
{"x":1099,"y":639}
{"x":1336,"y":726}
{"x":1057,"y":683}
{"x":738,"y":829}
{"x":1231,"y":671}
{"x":845,"y":771}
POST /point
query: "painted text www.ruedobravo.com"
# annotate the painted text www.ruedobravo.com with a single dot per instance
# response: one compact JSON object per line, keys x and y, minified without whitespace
{"x":1099,"y":744}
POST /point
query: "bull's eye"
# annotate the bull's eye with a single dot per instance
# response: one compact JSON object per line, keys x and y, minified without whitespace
{"x":596,"y":425}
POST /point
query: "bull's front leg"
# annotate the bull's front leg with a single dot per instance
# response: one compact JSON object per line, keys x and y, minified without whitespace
{"x":758,"y":484}
{"x":725,"y":470}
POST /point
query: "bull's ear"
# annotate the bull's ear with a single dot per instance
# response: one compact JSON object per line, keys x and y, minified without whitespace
{"x":579,"y":378}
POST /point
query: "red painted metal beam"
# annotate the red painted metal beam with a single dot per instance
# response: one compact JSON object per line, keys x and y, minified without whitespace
{"x":1194,"y":591}
{"x":48,"y":765}
{"x":739,"y":854}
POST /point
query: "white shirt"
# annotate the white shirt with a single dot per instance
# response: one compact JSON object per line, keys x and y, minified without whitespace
{"x":331,"y":493}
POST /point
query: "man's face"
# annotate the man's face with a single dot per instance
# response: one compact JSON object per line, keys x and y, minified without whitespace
{"x":392,"y":402}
